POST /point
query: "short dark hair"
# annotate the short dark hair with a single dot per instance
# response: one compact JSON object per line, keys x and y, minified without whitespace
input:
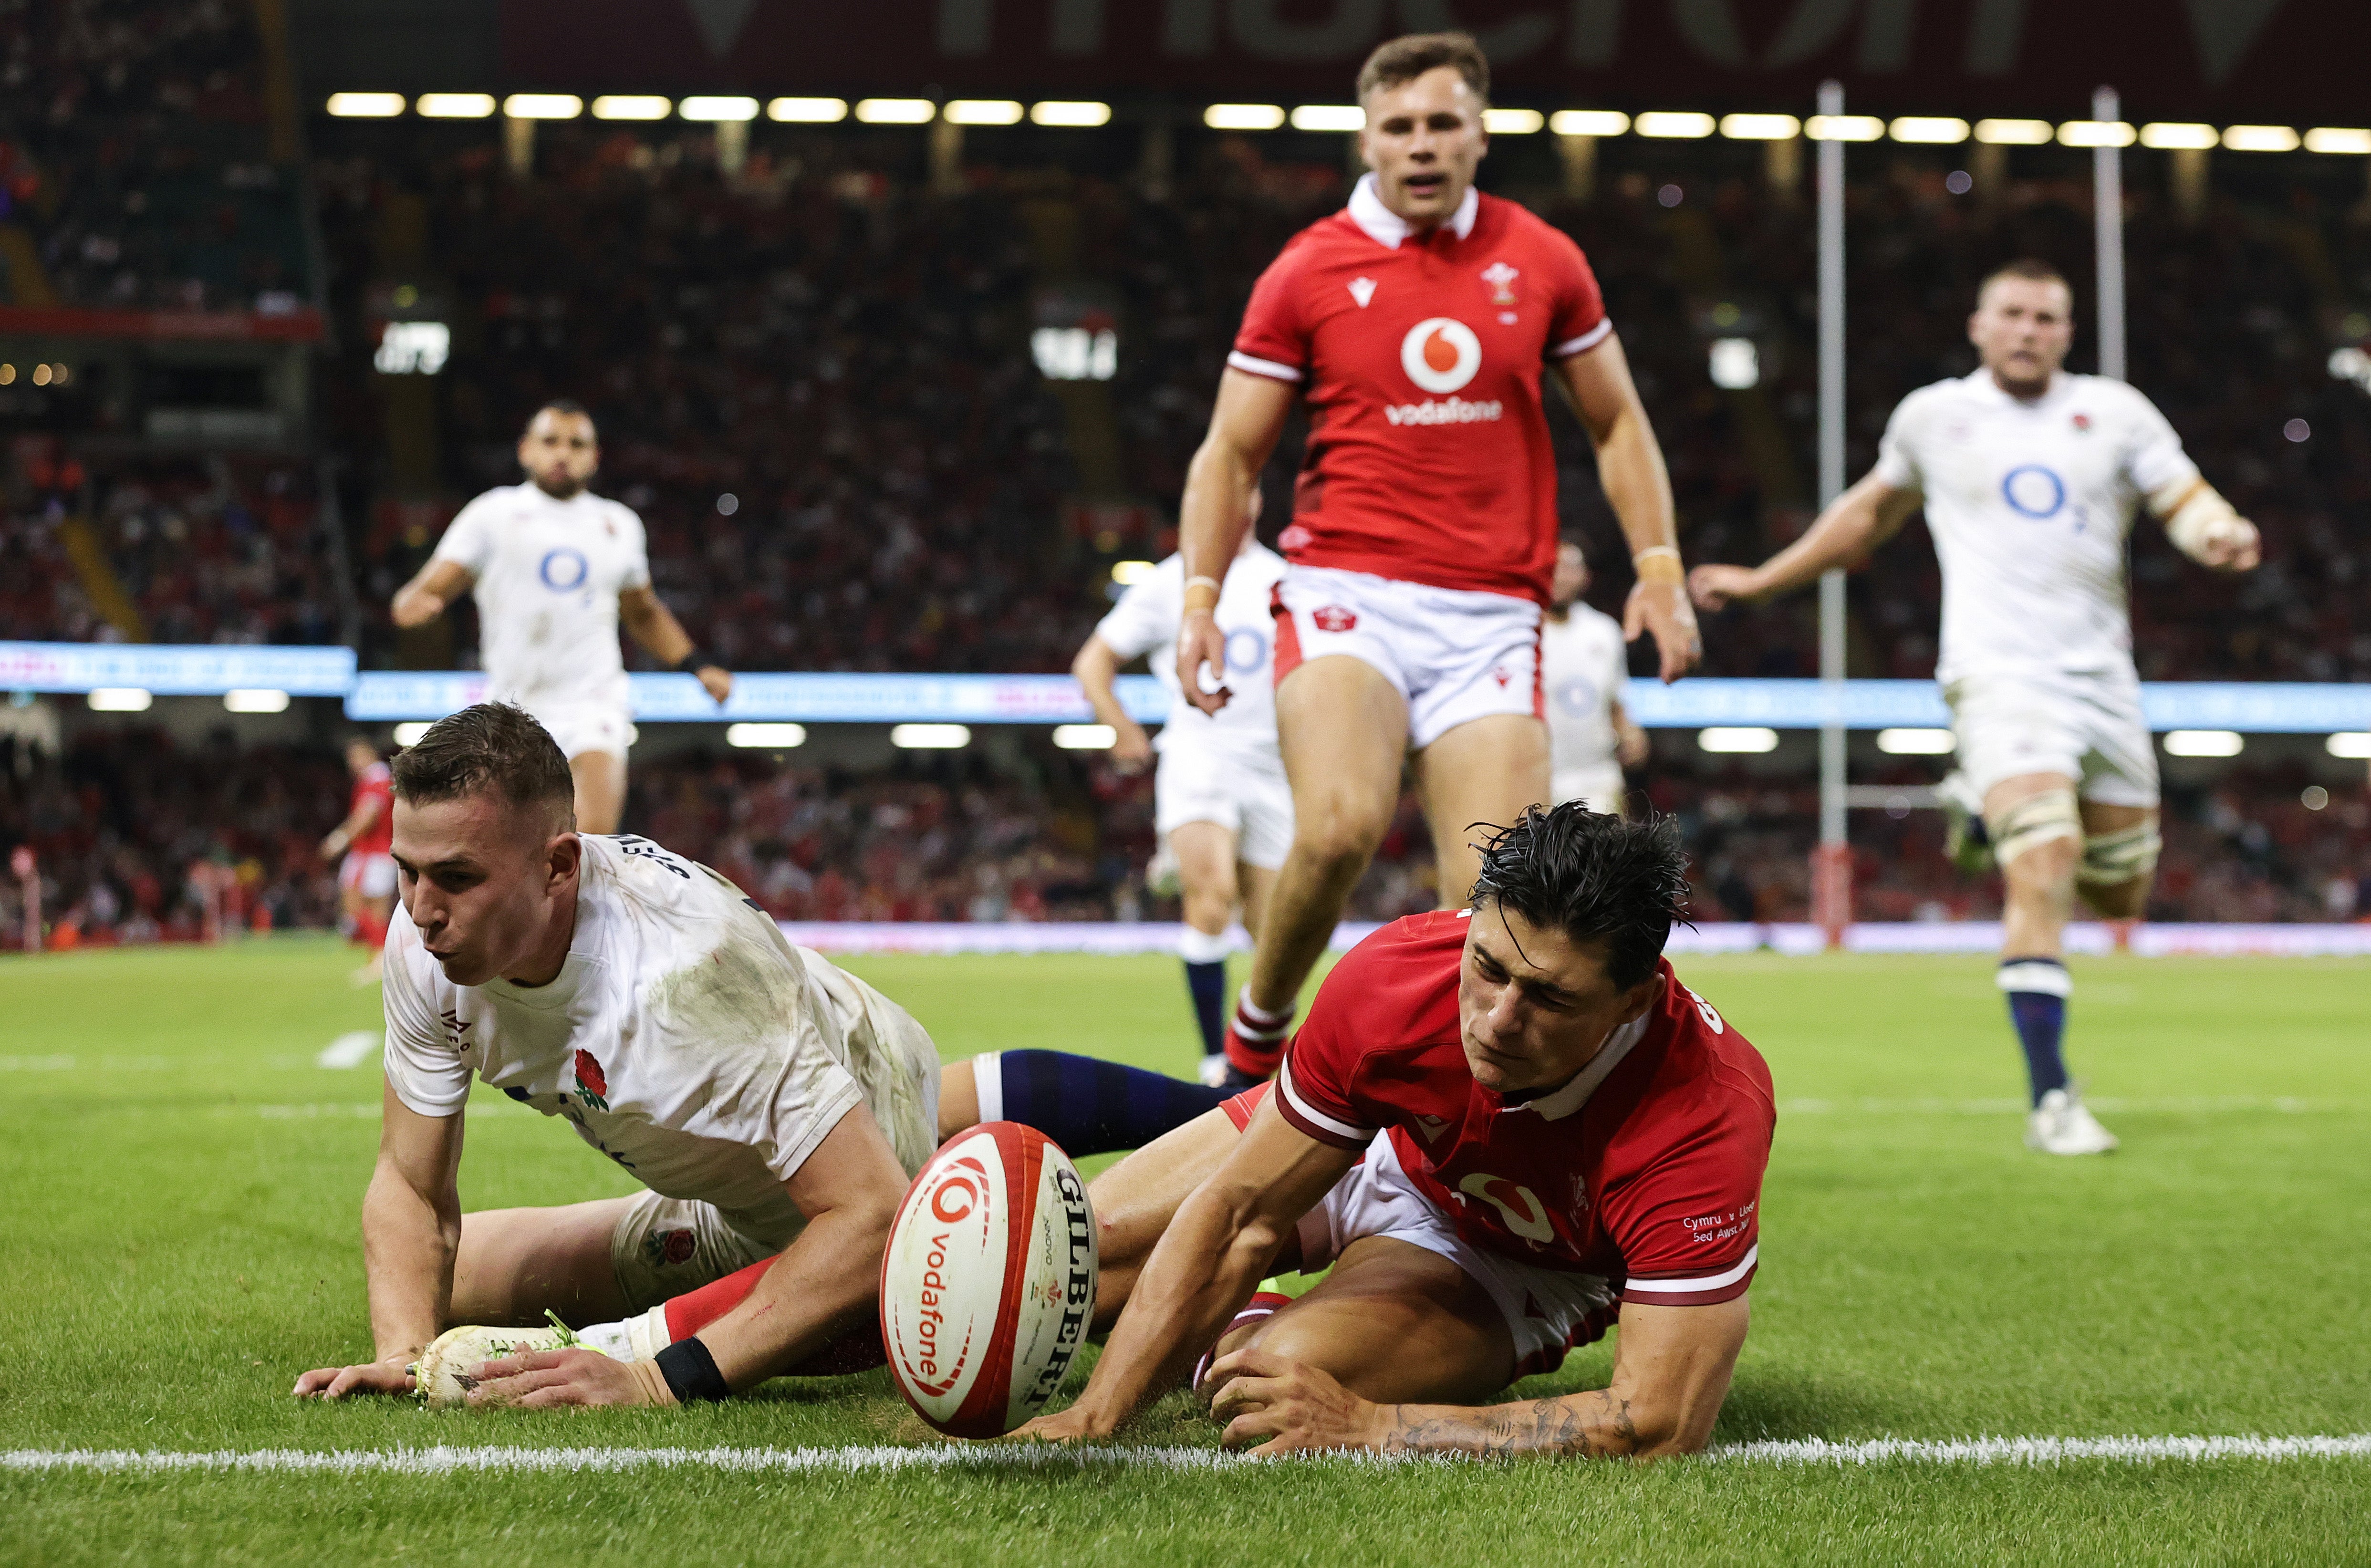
{"x":1595,"y":877}
{"x":491,"y":746}
{"x":1406,"y":59}
{"x":2032,"y":269}
{"x":564,"y":406}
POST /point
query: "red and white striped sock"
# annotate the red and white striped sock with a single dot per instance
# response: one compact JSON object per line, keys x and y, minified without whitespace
{"x":1259,"y":1309}
{"x":1256,"y":1037}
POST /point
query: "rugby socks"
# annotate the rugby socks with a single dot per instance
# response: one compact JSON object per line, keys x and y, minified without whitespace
{"x":1255,"y":1039}
{"x":2038,"y":989}
{"x":1258,"y":1310}
{"x":1206,"y":982}
{"x":643,"y":1335}
{"x":1085,"y":1104}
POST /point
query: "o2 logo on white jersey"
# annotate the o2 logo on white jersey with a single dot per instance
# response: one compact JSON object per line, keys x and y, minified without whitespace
{"x":563,"y":570}
{"x":1577,"y":697}
{"x":1246,"y":650}
{"x":2033,"y":490}
{"x":1440,"y":353}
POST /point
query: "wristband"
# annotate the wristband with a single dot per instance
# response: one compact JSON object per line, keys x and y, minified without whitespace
{"x":690,"y":1373}
{"x":1648,"y":563}
{"x":698,"y":659}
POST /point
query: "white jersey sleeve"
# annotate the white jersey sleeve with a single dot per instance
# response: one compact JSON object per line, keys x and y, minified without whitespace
{"x":468,"y":540}
{"x":421,"y":1067}
{"x":1897,"y":455}
{"x":2155,"y":458}
{"x":635,"y":572}
{"x":1148,"y":615}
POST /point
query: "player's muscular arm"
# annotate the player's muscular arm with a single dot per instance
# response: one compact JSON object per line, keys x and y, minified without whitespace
{"x":1095,"y":669}
{"x":431,"y":588}
{"x":411,"y":1230}
{"x":1854,"y":524}
{"x":1221,"y":1240}
{"x":651,"y":623}
{"x":1630,"y":469}
{"x":1244,"y":425}
{"x":1672,"y":1369}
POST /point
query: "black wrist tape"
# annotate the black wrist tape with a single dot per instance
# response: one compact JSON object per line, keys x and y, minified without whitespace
{"x":697,"y":660}
{"x":690,"y":1372}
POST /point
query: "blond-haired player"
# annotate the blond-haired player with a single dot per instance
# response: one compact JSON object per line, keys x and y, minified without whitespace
{"x":2030,"y":477}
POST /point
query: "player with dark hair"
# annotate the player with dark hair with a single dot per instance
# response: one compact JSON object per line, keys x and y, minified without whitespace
{"x":2030,"y":477}
{"x":773,"y":1105}
{"x":1506,"y":1128}
{"x":555,"y":569}
{"x":1418,"y":324}
{"x":365,"y":872}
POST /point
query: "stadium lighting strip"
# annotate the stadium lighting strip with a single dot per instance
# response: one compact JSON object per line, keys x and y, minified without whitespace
{"x":1655,"y":124}
{"x":766,"y":737}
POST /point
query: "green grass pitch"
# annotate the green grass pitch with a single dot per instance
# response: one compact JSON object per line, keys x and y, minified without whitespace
{"x":179,"y":1184}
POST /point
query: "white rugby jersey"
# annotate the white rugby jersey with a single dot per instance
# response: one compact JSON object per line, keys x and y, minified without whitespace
{"x":1148,"y":618}
{"x":684,"y":1038}
{"x":547,"y":576}
{"x":2028,"y":504}
{"x":1583,"y":663}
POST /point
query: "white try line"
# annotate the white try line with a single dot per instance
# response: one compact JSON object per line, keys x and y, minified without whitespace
{"x":451,"y":1461}
{"x":350,"y":1050}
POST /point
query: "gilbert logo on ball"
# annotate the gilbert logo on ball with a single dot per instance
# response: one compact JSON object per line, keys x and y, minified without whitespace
{"x":1440,"y":353}
{"x":989,"y":1281}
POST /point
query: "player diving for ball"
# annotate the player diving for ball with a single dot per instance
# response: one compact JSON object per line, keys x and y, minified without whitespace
{"x":1419,"y":324}
{"x":2030,"y":477}
{"x":555,"y":569}
{"x":1221,"y":802}
{"x":773,"y":1106}
{"x":1507,"y":1129}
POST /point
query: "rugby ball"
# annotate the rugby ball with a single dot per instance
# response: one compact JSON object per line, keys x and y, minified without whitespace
{"x":989,"y":1280}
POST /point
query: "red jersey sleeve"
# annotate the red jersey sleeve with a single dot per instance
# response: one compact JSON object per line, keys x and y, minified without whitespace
{"x":1688,"y":1226}
{"x":1579,"y":322}
{"x":1312,"y":1087}
{"x":1273,"y":341}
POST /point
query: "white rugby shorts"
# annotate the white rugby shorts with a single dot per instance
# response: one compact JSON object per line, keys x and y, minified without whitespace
{"x":2088,"y":729}
{"x":1241,"y":789}
{"x":1454,"y":655}
{"x":581,"y":727}
{"x":1600,"y":788}
{"x":662,"y":1247}
{"x":372,"y":875}
{"x":1543,"y":1308}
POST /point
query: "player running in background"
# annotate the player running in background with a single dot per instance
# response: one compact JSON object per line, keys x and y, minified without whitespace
{"x":1417,"y":324}
{"x":555,"y":569}
{"x":367,"y":875}
{"x":1583,"y":662}
{"x":773,"y":1106}
{"x":2030,"y":477}
{"x":1221,"y":802}
{"x":1507,"y":1129}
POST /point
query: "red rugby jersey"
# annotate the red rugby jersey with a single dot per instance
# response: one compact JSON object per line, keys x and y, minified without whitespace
{"x":1645,"y":1169}
{"x":1429,"y":458}
{"x":375,"y":783}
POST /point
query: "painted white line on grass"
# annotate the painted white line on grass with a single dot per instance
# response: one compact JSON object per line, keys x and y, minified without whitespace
{"x":2284,"y":1104}
{"x":350,"y":1050}
{"x":449,"y":1460}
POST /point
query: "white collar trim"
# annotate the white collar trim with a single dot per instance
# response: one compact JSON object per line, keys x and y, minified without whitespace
{"x":1556,"y":1107}
{"x":1387,"y":228}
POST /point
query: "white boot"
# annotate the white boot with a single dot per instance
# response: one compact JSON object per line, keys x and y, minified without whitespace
{"x":2061,"y":1125}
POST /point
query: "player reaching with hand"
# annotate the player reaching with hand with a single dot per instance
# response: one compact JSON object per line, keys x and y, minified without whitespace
{"x":773,"y":1106}
{"x":1417,"y":324}
{"x":1507,"y":1129}
{"x":1221,"y":802}
{"x":555,"y":569}
{"x":2030,"y":477}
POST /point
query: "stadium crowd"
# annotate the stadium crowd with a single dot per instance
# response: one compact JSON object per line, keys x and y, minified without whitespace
{"x":134,"y":836}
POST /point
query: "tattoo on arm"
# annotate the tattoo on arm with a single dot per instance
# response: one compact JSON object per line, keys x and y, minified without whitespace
{"x":1590,"y":1426}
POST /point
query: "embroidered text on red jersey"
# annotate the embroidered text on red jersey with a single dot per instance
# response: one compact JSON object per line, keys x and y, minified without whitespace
{"x":1645,"y":1169}
{"x":1429,"y":458}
